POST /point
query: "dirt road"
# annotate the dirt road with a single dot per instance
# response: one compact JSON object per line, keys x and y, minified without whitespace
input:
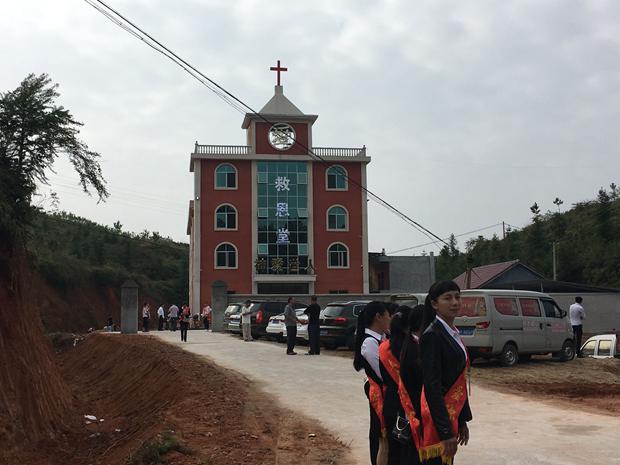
{"x":507,"y":429}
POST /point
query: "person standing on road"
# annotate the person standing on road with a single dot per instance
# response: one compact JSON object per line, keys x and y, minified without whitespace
{"x":185,"y":318}
{"x":577,"y":315}
{"x":291,"y":321}
{"x":146,"y":316}
{"x":246,"y":321}
{"x":173,"y":314}
{"x":444,"y":405}
{"x":410,"y":389}
{"x":206,"y":315}
{"x":372,"y":324}
{"x":389,"y":363}
{"x":160,"y":318}
{"x":313,"y":311}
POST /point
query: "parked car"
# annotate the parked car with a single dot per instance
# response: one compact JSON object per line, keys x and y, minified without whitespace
{"x":411,"y":300}
{"x":338,"y":322}
{"x":510,"y":324}
{"x":232,"y":316}
{"x":602,"y":346}
{"x":263,"y":311}
{"x":277,"y":329}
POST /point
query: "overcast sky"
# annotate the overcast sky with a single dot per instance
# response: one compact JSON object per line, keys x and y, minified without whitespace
{"x":471,"y":111}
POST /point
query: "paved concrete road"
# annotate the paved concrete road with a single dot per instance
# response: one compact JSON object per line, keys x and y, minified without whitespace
{"x":507,"y":429}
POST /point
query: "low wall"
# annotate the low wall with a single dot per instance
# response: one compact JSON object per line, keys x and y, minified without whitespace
{"x":602,"y":310}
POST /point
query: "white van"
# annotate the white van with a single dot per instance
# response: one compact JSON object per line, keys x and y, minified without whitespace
{"x":509,"y":325}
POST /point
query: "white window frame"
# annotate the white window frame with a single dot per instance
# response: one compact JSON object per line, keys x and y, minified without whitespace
{"x":346,"y":219}
{"x":215,"y":266}
{"x":346,"y":179}
{"x":215,"y":227}
{"x":215,"y":186}
{"x":348,"y":256}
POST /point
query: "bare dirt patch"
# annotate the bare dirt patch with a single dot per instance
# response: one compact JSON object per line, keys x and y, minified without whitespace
{"x":148,"y":392}
{"x":591,"y":384}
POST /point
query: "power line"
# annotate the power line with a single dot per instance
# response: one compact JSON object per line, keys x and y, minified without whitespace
{"x":435,"y":242}
{"x":237,"y":103}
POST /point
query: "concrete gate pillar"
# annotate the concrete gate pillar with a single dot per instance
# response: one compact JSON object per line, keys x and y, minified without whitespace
{"x":129,"y":307}
{"x":219,"y":299}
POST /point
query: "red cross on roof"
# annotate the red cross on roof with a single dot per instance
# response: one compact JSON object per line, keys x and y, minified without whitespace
{"x":278,"y":69}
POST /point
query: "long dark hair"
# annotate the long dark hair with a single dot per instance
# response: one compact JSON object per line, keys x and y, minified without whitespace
{"x":399,"y":326}
{"x":414,"y":324}
{"x":364,"y":320}
{"x":440,"y":287}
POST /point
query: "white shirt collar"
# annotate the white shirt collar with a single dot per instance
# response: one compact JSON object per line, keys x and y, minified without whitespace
{"x":451,"y":331}
{"x":374,"y":334}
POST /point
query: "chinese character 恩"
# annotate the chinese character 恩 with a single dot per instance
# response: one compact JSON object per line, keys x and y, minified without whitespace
{"x":282,"y":209}
{"x":282,"y":183}
{"x":282,"y":236}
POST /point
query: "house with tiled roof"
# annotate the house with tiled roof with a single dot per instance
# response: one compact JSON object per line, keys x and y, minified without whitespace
{"x":496,"y":274}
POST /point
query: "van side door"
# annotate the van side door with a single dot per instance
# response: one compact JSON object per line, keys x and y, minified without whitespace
{"x":534,"y":333}
{"x":507,"y":322}
{"x":555,"y":325}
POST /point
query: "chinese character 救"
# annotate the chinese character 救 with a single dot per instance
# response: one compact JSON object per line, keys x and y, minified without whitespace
{"x":282,"y":183}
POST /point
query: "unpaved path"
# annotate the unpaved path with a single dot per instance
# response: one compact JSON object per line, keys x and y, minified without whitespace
{"x":507,"y":429}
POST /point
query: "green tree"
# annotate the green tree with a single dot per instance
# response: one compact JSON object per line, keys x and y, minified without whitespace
{"x":34,"y":131}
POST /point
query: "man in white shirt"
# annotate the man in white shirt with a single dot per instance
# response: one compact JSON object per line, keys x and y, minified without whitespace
{"x":246,"y":321}
{"x":577,"y":315}
{"x":173,"y":313}
{"x":160,"y":318}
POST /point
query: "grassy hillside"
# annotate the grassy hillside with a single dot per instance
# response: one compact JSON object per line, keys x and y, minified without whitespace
{"x":587,"y":237}
{"x":83,"y":264}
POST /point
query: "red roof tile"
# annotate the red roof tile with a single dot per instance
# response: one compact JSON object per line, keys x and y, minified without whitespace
{"x":481,"y":275}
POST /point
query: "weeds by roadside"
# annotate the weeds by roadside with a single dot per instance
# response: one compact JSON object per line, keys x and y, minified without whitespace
{"x":150,"y":452}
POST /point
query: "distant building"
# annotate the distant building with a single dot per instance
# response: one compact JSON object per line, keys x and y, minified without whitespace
{"x":271,"y":217}
{"x":400,"y":274}
{"x":495,"y":274}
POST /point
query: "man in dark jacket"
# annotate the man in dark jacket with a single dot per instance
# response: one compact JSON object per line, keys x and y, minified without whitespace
{"x":313,"y":311}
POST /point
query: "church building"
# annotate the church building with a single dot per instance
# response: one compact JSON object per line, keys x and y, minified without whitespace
{"x":278,"y":215}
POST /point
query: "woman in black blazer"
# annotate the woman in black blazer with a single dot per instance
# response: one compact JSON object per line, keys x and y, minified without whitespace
{"x":411,"y":377}
{"x":444,"y":362}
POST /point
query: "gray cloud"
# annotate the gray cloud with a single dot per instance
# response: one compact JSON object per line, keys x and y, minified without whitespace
{"x":471,"y":110}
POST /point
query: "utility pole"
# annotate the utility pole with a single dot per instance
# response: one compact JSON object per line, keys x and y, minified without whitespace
{"x":503,"y":230}
{"x":555,"y":266}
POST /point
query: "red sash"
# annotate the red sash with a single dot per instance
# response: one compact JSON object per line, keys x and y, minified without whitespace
{"x":455,"y":400}
{"x":375,"y":396}
{"x":392,"y":365}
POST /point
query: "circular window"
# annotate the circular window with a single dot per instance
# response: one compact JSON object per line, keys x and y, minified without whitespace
{"x":281,"y":136}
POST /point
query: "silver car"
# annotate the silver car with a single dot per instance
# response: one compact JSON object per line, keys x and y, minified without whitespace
{"x":510,"y":324}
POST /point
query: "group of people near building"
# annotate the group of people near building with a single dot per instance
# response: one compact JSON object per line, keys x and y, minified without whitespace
{"x":416,"y":367}
{"x":183,"y":318}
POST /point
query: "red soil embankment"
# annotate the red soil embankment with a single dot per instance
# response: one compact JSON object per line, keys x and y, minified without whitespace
{"x":142,"y":387}
{"x":34,"y":399}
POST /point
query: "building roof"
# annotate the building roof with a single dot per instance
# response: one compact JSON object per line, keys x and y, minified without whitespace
{"x":481,"y":275}
{"x":280,"y":105}
{"x":278,"y":108}
{"x":548,"y":285}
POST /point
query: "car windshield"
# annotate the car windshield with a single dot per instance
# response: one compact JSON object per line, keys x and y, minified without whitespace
{"x":300,"y":311}
{"x":232,"y":309}
{"x":333,"y":310}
